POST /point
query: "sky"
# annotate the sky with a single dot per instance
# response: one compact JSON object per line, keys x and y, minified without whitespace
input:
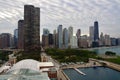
{"x":80,"y":14}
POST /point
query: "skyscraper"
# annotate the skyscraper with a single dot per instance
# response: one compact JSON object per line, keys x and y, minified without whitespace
{"x":55,"y":38}
{"x":70,"y":33}
{"x":21,"y":34}
{"x":95,"y":43}
{"x":45,"y":31}
{"x":96,"y":31}
{"x":65,"y":38}
{"x":60,"y":37}
{"x":31,"y":28}
{"x":78,"y":34}
{"x":45,"y":42}
{"x":107,"y":40}
{"x":45,"y":38}
{"x":91,"y":35}
{"x":6,"y":40}
{"x":50,"y":40}
{"x":73,"y":42}
{"x":102,"y":41}
{"x":84,"y":41}
{"x":16,"y":38}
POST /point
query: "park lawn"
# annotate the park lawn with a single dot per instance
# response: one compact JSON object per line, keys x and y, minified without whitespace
{"x":114,"y":60}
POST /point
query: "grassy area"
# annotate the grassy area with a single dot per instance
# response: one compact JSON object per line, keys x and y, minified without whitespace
{"x":70,"y":55}
{"x":4,"y":55}
{"x":28,"y":55}
{"x":114,"y":60}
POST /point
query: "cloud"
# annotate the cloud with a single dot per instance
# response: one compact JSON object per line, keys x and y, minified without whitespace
{"x":77,"y":13}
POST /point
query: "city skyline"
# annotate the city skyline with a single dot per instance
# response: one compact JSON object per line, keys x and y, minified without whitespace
{"x":76,"y":13}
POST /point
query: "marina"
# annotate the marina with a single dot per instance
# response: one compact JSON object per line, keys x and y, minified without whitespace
{"x":89,"y":71}
{"x":98,"y":73}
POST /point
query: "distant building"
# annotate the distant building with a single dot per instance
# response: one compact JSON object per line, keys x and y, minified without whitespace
{"x":113,"y":42}
{"x":95,"y":43}
{"x":45,"y":42}
{"x":6,"y":40}
{"x":55,"y":38}
{"x":107,"y":40}
{"x":60,"y":37}
{"x":118,"y":41}
{"x":73,"y":41}
{"x":70,"y":33}
{"x":91,"y":35}
{"x":45,"y":38}
{"x":65,"y":38}
{"x":96,"y":31}
{"x":101,"y":41}
{"x":31,"y":28}
{"x":16,"y":38}
{"x":21,"y":34}
{"x":78,"y":34}
{"x":45,"y":31}
{"x":50,"y":40}
{"x":84,"y":41}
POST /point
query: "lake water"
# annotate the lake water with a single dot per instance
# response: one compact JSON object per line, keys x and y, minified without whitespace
{"x":99,"y":73}
{"x":102,"y":50}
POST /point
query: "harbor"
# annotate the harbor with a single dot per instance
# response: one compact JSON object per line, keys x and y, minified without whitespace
{"x":93,"y":65}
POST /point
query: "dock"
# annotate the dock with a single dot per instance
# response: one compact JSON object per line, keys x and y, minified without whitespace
{"x":79,"y":71}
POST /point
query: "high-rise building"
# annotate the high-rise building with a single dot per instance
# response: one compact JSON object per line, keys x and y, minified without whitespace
{"x":50,"y":40}
{"x":73,"y":41}
{"x":96,"y":31}
{"x":84,"y":41}
{"x":78,"y":34}
{"x":15,"y":38}
{"x":91,"y":35}
{"x":95,"y":43}
{"x":31,"y":28}
{"x":107,"y":40}
{"x":45,"y":38}
{"x":6,"y":40}
{"x":113,"y":42}
{"x":21,"y":34}
{"x":60,"y":37}
{"x":37,"y":28}
{"x":118,"y":41}
{"x":70,"y":33}
{"x":45,"y":41}
{"x":55,"y":38}
{"x":45,"y":31}
{"x":65,"y":38}
{"x":102,"y":41}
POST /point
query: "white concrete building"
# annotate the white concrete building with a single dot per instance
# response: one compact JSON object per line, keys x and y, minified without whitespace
{"x":73,"y":42}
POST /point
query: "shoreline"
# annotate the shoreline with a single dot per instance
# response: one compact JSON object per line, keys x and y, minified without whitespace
{"x":99,"y":63}
{"x":101,"y":47}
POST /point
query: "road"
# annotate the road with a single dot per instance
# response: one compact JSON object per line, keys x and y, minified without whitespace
{"x":50,"y":59}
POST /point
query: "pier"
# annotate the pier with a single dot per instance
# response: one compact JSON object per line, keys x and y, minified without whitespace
{"x":79,"y":71}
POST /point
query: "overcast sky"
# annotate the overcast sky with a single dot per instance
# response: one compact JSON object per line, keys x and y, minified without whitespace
{"x":77,"y":13}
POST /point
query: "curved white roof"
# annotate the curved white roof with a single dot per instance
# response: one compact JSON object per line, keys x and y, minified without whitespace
{"x":26,"y":64}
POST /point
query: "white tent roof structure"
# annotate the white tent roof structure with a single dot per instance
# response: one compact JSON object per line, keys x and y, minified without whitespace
{"x":26,"y":64}
{"x":27,"y":69}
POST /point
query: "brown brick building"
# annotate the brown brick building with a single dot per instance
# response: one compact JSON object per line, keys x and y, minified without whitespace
{"x":31,"y":28}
